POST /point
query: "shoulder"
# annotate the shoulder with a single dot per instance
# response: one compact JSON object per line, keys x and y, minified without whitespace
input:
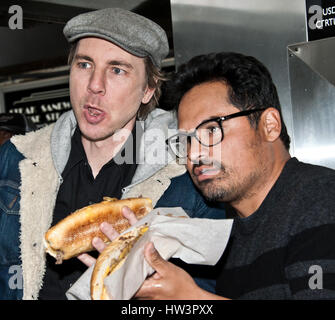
{"x":8,"y":152}
{"x":159,"y":117}
{"x":183,"y":193}
{"x":8,"y":147}
{"x":9,"y":161}
{"x":313,"y":196}
{"x":315,"y":183}
{"x":308,"y":173}
{"x":174,"y":195}
{"x":307,"y":182}
{"x":33,"y":142}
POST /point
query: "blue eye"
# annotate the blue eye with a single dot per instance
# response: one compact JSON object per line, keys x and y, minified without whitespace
{"x":84,"y":65}
{"x":117,"y":70}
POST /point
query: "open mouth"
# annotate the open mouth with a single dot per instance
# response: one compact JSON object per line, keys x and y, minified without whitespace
{"x":93,"y":115}
{"x":93,"y":111}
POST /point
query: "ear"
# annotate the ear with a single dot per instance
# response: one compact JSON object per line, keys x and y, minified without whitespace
{"x":271,"y":124}
{"x":148,"y":93}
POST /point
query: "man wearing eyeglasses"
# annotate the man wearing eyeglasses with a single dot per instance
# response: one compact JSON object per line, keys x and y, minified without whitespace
{"x":236,"y":147}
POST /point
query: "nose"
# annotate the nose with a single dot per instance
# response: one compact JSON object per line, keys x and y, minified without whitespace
{"x":97,"y":83}
{"x":196,"y":151}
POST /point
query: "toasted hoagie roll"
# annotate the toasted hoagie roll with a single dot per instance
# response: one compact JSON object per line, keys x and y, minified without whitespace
{"x":74,"y":234}
{"x":111,"y":259}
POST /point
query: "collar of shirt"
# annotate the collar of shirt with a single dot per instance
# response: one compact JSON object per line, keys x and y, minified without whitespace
{"x":77,"y":153}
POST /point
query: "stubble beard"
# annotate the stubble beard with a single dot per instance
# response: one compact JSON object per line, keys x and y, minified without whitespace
{"x":227,"y":186}
{"x":234,"y":184}
{"x":212,"y":189}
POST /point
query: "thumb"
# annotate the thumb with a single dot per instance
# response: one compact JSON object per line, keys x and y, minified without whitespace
{"x":154,"y":258}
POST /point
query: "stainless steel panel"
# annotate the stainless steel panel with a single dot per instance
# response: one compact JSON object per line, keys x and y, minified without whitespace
{"x":318,"y":55}
{"x":261,"y":28}
{"x":311,"y":68}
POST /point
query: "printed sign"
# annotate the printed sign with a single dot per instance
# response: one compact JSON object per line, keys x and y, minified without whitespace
{"x":320,"y":19}
{"x":42,"y":105}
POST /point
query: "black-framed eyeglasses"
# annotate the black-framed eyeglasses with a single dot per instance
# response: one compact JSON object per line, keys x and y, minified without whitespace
{"x":208,"y":133}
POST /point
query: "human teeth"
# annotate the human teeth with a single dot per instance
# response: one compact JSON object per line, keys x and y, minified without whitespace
{"x":94,"y":112}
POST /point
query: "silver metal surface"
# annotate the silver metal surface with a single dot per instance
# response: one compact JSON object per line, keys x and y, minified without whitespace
{"x":261,"y":28}
{"x":311,"y":68}
{"x":318,"y":55}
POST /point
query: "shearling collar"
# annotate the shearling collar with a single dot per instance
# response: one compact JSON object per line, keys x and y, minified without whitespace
{"x":38,"y":190}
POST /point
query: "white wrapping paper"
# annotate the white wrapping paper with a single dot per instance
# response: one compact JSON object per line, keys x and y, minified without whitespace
{"x":195,"y":241}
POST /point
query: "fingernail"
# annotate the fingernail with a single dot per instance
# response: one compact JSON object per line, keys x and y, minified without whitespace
{"x":103,"y":225}
{"x":125,"y":209}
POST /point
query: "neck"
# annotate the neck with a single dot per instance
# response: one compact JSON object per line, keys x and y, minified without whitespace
{"x":98,"y":153}
{"x":255,"y":197}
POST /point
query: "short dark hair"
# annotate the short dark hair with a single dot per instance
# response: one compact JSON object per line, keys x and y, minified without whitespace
{"x":249,"y":83}
{"x":155,"y":78}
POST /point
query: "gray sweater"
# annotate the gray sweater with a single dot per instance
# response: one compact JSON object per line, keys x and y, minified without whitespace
{"x":285,"y":250}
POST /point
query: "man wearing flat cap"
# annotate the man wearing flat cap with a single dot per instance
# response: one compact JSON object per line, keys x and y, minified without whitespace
{"x":115,"y":80}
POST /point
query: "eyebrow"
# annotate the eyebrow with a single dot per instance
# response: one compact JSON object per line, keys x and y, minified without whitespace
{"x":111,"y":62}
{"x":120,"y":63}
{"x":212,"y":118}
{"x":82,"y":57}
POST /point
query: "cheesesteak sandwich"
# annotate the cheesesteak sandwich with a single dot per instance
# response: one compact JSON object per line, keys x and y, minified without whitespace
{"x":74,"y":234}
{"x":111,"y":259}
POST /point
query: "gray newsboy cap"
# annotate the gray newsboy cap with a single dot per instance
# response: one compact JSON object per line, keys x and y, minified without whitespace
{"x":130,"y":31}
